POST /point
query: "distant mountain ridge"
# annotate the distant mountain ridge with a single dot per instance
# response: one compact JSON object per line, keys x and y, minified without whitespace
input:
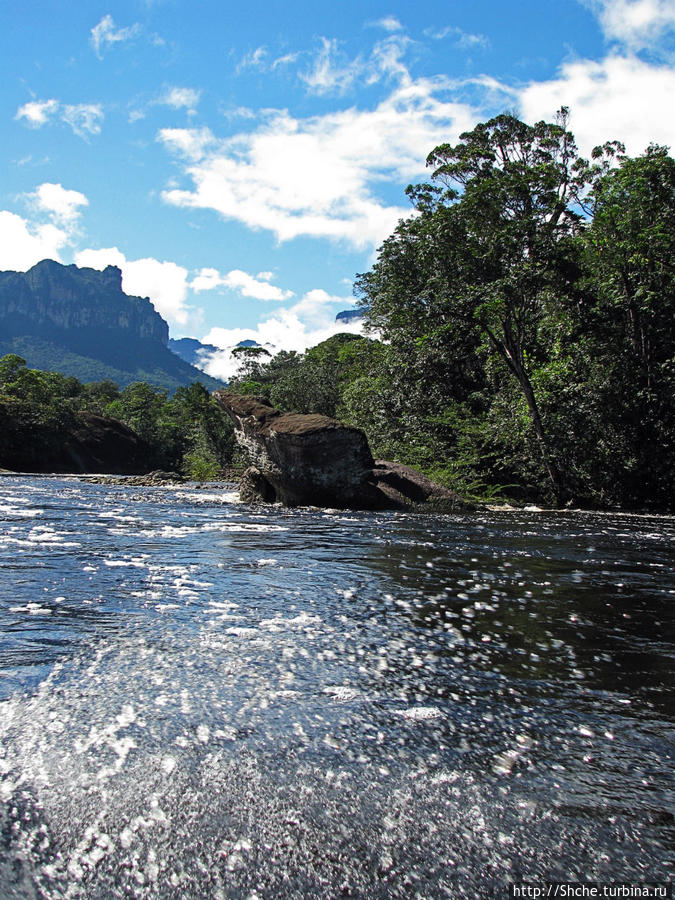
{"x":80,"y":322}
{"x":349,"y":315}
{"x":191,"y":350}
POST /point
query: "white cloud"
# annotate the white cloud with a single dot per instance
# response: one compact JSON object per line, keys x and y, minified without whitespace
{"x":285,"y":60}
{"x":37,"y":112}
{"x":330,"y":72}
{"x":181,"y":98}
{"x":165,"y":283}
{"x":247,"y":285}
{"x":83,"y":118}
{"x":465,"y":40}
{"x":333,"y":72}
{"x":389,"y":23}
{"x":62,"y":205}
{"x":254,"y":59}
{"x":303,"y":325}
{"x":619,"y":98}
{"x":635,"y":23}
{"x":105,"y":34}
{"x":317,"y":176}
{"x":23,"y":244}
{"x":191,"y":143}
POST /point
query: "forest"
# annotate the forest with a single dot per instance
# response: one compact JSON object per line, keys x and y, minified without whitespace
{"x":520,"y":331}
{"x":187,"y":433}
{"x":522,"y":325}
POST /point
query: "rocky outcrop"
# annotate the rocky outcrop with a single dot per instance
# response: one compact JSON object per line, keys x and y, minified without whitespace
{"x":67,"y":298}
{"x":313,"y":460}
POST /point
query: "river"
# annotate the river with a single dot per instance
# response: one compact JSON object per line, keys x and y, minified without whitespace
{"x":204,"y":699}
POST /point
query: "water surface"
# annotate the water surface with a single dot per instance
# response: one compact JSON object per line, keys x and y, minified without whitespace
{"x":200,"y":698}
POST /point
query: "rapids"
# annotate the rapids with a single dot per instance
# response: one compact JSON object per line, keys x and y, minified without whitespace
{"x":202,"y":699}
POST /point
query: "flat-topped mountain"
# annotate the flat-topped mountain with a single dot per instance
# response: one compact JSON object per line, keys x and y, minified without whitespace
{"x":80,"y":322}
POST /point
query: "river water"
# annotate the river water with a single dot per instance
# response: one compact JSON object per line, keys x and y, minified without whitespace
{"x":203,"y":699}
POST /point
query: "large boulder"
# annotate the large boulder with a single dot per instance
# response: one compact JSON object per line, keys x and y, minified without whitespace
{"x":313,"y":460}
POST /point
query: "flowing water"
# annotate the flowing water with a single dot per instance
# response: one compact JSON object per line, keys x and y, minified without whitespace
{"x":203,"y":699}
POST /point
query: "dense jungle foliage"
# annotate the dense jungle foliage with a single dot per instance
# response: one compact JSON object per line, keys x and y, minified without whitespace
{"x":39,"y":411}
{"x":522,"y":321}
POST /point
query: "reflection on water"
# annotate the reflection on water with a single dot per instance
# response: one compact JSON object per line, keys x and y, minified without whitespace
{"x":205,"y":699}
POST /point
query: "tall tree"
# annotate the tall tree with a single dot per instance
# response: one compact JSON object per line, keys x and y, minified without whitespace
{"x":493,"y":248}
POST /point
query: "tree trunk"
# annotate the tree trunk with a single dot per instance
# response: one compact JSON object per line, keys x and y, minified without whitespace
{"x":511,"y":355}
{"x":554,"y":474}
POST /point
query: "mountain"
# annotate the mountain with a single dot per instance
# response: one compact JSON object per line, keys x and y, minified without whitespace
{"x":80,"y":322}
{"x":349,"y":315}
{"x":191,"y":350}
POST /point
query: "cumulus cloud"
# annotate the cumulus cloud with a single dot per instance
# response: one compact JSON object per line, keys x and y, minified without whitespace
{"x":165,"y":283}
{"x":191,"y":143}
{"x":23,"y":243}
{"x":635,"y":23}
{"x":84,"y":118}
{"x":317,"y":176}
{"x":37,"y":112}
{"x":26,"y":241}
{"x":62,"y":205}
{"x":105,"y":34}
{"x":619,"y":98}
{"x":259,"y":288}
{"x":303,"y":325}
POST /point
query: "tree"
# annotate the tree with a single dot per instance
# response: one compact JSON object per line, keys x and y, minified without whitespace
{"x":491,"y":252}
{"x":632,"y":243}
{"x":630,"y":319}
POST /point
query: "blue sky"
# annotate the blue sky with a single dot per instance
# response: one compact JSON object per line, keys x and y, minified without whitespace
{"x":242,"y":162}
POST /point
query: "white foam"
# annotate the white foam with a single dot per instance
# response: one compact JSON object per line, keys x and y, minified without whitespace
{"x":421,"y":713}
{"x":33,"y":609}
{"x":342,"y":693}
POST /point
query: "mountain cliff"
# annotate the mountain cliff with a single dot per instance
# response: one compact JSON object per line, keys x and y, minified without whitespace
{"x":80,"y":322}
{"x":54,"y":296}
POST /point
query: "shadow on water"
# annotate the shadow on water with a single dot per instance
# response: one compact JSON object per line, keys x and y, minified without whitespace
{"x":204,"y":699}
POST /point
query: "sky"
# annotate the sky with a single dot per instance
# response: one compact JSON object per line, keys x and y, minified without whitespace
{"x":241,"y":163}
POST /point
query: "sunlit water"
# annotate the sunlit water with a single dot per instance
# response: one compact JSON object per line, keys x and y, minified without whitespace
{"x":202,"y":699}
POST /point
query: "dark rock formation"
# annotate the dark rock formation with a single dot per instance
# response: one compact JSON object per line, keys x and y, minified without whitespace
{"x":84,"y":443}
{"x":312,"y":460}
{"x":105,"y":445}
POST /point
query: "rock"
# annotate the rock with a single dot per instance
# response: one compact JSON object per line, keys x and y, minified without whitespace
{"x":406,"y":487}
{"x":81,"y":443}
{"x":313,"y":460}
{"x":152,"y":479}
{"x":105,"y":445}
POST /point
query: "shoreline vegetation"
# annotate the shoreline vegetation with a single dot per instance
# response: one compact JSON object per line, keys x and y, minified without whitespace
{"x":520,"y":346}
